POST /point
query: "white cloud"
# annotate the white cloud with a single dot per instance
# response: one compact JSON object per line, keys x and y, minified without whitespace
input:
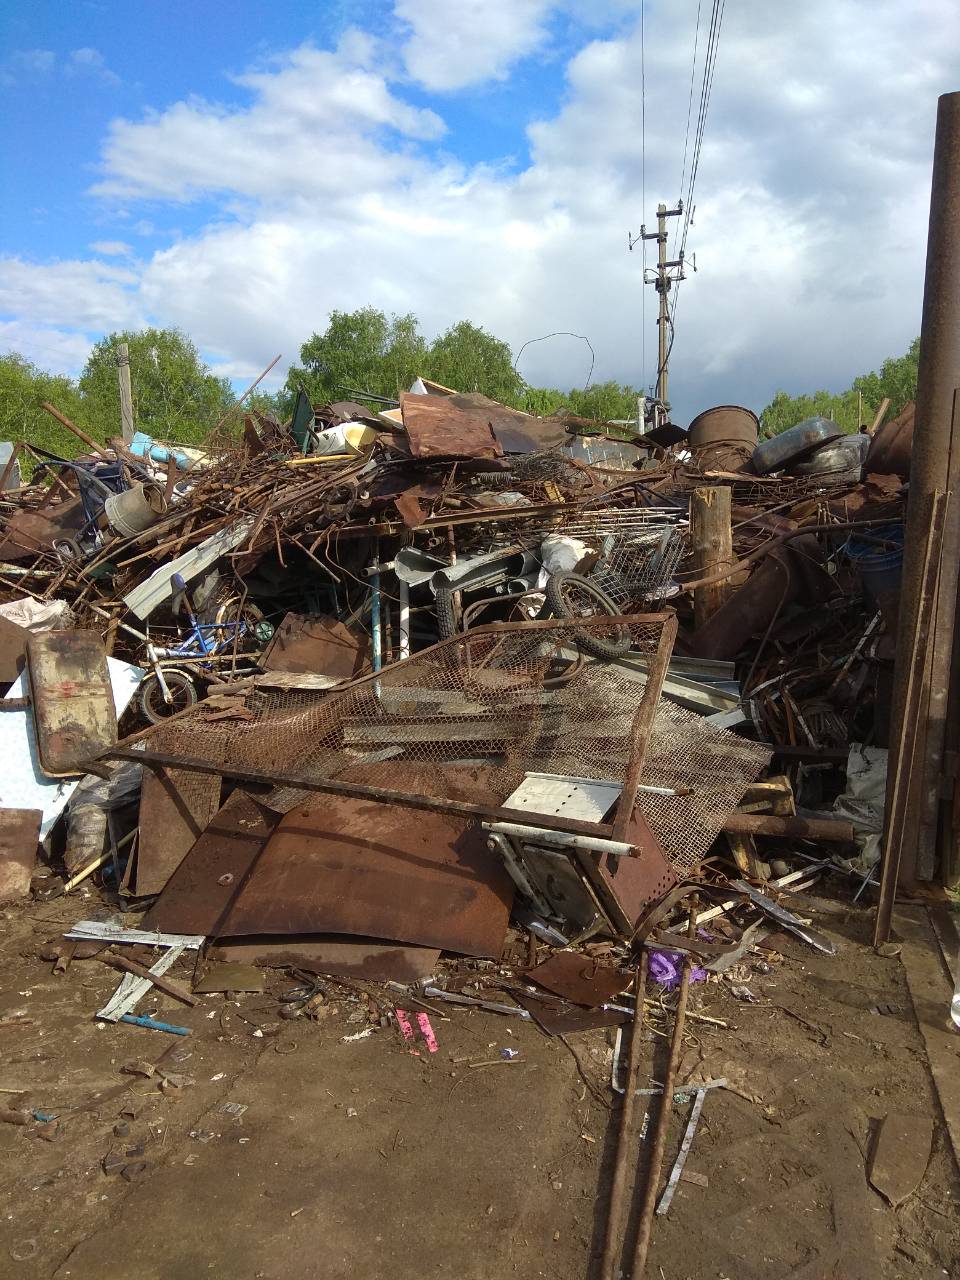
{"x":451,"y":46}
{"x":315,"y":130}
{"x":91,"y":62}
{"x":56,"y":350}
{"x":809,"y":230}
{"x":92,"y":296}
{"x":111,"y":248}
{"x":25,"y":65}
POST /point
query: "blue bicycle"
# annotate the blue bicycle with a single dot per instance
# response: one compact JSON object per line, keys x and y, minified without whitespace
{"x":179,"y":671}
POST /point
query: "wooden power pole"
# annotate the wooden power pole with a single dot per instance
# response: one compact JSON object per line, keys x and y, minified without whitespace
{"x":662,"y":278}
{"x":126,"y":394}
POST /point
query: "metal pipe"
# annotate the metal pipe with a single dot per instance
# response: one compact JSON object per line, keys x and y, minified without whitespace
{"x":327,"y":786}
{"x":666,"y":1108}
{"x":643,"y":726}
{"x":404,"y":619}
{"x":564,"y":840}
{"x":377,"y":647}
{"x":625,"y":1131}
{"x":934,"y":464}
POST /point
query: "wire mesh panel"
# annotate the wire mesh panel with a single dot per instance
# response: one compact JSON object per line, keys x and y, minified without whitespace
{"x":495,"y":703}
{"x":686,"y":750}
{"x":469,"y":718}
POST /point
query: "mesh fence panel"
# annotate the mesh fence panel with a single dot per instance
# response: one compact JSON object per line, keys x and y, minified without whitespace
{"x":470,"y":717}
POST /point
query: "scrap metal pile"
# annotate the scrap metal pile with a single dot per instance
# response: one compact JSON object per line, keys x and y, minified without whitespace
{"x":444,"y":680}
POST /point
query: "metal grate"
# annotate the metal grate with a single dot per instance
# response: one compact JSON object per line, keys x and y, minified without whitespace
{"x":686,"y":750}
{"x":490,"y":705}
{"x":469,"y":718}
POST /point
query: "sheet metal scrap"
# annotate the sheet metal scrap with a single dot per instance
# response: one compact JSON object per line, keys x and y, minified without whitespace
{"x":357,"y":868}
{"x":201,"y":889}
{"x":438,"y":429}
{"x":577,"y":978}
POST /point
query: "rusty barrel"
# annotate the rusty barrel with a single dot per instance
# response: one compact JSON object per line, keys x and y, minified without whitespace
{"x":723,"y":438}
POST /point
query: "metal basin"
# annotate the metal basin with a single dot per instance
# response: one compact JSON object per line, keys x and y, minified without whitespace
{"x":836,"y":458}
{"x":793,"y":445}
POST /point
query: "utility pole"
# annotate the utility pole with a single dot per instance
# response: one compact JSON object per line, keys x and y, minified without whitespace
{"x":662,"y":278}
{"x":126,"y":394}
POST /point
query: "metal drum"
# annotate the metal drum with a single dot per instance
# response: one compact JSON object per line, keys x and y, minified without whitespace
{"x":724,"y":438}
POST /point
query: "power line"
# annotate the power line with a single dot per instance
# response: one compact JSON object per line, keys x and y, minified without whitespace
{"x":706,"y":88}
{"x":686,"y":140}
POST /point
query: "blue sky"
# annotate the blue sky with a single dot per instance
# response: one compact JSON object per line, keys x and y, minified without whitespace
{"x":240,"y":170}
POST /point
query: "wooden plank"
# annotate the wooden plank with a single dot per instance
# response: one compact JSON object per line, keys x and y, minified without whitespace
{"x":166,"y":985}
{"x":931,"y":992}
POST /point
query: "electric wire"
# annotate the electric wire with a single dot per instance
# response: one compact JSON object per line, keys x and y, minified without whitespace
{"x":706,"y":90}
{"x":686,"y":139}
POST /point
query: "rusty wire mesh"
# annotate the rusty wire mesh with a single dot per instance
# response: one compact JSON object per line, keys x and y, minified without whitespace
{"x":500,"y":701}
{"x":467,"y":719}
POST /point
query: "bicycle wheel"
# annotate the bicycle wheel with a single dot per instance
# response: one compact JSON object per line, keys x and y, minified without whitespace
{"x":155,"y":707}
{"x":571,"y":596}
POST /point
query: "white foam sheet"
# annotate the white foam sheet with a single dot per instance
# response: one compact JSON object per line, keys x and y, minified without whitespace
{"x":23,"y":784}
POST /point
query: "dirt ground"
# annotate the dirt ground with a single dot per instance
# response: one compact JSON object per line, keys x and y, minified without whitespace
{"x":355,"y":1158}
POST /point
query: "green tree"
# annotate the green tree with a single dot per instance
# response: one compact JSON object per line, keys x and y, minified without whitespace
{"x":604,"y":402}
{"x":543,"y":401}
{"x":467,"y":358}
{"x":896,"y":378}
{"x":358,"y":351}
{"x":23,"y":388}
{"x":175,"y":395}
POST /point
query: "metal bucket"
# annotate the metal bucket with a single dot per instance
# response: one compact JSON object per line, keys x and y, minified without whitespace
{"x":724,"y":438}
{"x":136,"y":509}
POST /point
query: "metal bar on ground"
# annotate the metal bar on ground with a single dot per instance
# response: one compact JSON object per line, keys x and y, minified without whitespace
{"x":663,"y":1118}
{"x":618,"y":1186}
{"x":431,"y":804}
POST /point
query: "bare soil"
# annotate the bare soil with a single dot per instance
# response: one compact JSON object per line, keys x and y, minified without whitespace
{"x":355,"y":1158}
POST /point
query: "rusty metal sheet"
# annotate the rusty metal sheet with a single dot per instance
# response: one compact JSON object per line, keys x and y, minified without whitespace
{"x":636,"y":882}
{"x":579,"y":978}
{"x":360,"y":867}
{"x":338,"y":956}
{"x":207,"y":880}
{"x":73,"y":707}
{"x":175,"y":807}
{"x":436,"y":428}
{"x":561,"y":1019}
{"x":322,"y":645}
{"x":27,"y":533}
{"x":19,"y":836}
{"x":892,"y":444}
{"x":13,"y":650}
{"x":409,"y":509}
{"x":517,"y":432}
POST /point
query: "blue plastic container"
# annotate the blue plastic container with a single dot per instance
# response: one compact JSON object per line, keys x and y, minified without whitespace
{"x":880,"y":568}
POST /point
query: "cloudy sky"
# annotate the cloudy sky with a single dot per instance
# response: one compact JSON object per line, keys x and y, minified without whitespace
{"x":240,"y":170}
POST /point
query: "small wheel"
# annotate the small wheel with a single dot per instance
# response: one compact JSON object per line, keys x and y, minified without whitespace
{"x":571,"y":596}
{"x":256,"y":630}
{"x":155,"y":707}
